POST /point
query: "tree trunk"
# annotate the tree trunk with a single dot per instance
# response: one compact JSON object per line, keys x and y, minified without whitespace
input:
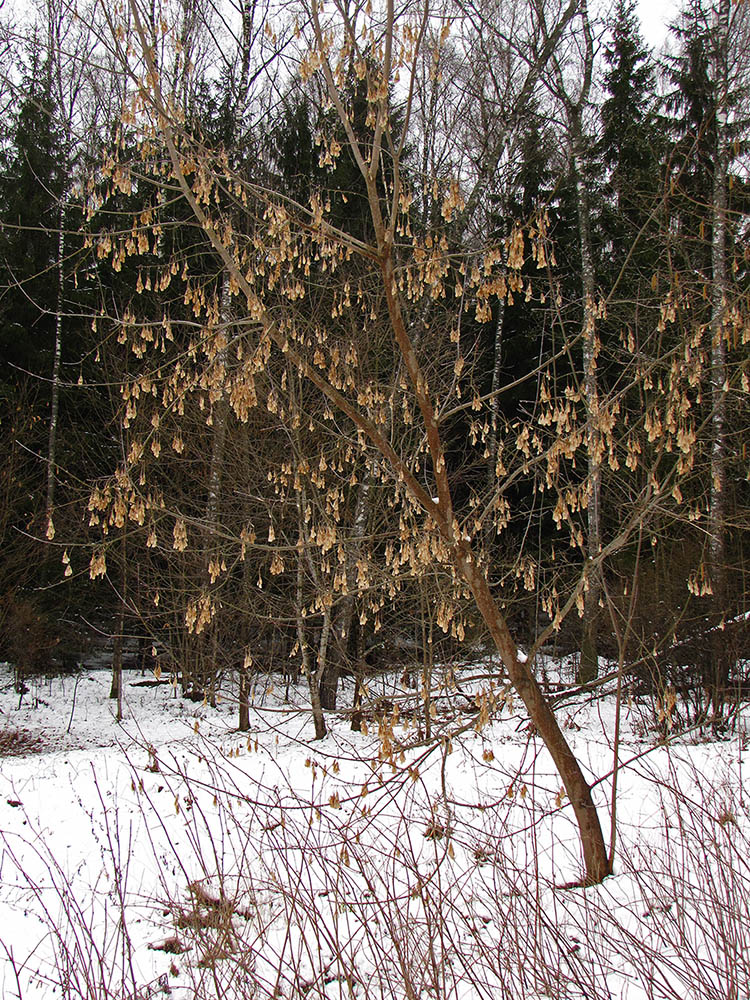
{"x":116,"y":688}
{"x":717,"y":561}
{"x":326,"y":674}
{"x":329,"y":682}
{"x":244,"y":700}
{"x":312,"y":675}
{"x":427,"y":664}
{"x":357,"y":705}
{"x":596,"y":861}
{"x":219,"y":417}
{"x":589,"y":661}
{"x":55,"y":388}
{"x":355,"y":641}
{"x":497,"y":366}
{"x":317,"y":709}
{"x":592,"y":840}
{"x":350,"y":633}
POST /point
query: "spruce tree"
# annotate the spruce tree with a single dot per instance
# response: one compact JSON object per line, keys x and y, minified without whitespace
{"x":691,"y":124}
{"x":32,"y":179}
{"x":630,"y":150}
{"x":628,"y":146}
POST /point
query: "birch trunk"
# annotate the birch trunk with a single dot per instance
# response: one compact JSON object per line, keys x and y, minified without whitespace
{"x":574,"y":109}
{"x":497,"y":367}
{"x":219,"y":418}
{"x":116,"y":688}
{"x":55,"y":392}
{"x":589,"y":662}
{"x":719,"y":667}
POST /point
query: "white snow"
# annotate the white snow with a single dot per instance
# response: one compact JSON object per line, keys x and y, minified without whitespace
{"x":172,"y":853}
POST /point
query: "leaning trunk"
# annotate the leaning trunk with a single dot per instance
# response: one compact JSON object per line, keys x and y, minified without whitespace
{"x":439,"y":510}
{"x":596,"y":862}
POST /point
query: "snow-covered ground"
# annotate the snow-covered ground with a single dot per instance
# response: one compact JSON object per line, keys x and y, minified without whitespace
{"x":172,"y":854}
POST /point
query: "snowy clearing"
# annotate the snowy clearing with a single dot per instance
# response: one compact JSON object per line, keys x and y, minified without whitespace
{"x":173,"y":855}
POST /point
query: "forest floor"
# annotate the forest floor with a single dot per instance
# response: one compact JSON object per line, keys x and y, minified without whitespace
{"x":169,"y":854}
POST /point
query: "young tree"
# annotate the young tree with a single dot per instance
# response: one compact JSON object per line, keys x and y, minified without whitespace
{"x":276,"y":244}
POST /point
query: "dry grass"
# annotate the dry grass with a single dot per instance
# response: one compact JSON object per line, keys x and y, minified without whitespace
{"x":22,"y":743}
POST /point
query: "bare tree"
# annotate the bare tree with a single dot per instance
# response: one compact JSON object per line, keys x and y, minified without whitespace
{"x":393,"y":47}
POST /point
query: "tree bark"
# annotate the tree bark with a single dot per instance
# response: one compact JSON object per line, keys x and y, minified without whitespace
{"x":219,"y":418}
{"x":55,"y":388}
{"x":244,"y":700}
{"x":596,"y":861}
{"x":589,"y":661}
{"x":313,"y":682}
{"x":574,"y":109}
{"x":116,"y":688}
{"x":350,"y":633}
{"x":717,"y":560}
{"x":497,"y":366}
